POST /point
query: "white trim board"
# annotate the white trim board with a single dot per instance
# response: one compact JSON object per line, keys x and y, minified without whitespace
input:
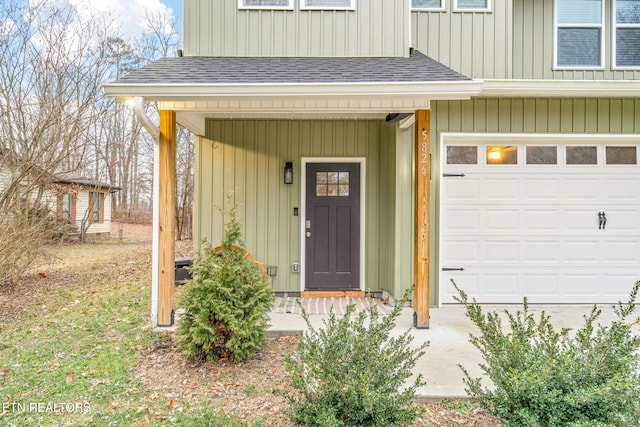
{"x":561,"y":88}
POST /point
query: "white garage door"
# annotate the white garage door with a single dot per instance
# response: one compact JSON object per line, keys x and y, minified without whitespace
{"x":555,"y":222}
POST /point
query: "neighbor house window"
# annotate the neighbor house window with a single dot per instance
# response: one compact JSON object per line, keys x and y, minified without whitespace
{"x":427,"y":4}
{"x":96,"y":207}
{"x":66,"y":209}
{"x":265,"y":4}
{"x":328,"y":4}
{"x":627,"y":33}
{"x":66,"y":206}
{"x":472,"y":5}
{"x":22,"y":197}
{"x":579,"y":33}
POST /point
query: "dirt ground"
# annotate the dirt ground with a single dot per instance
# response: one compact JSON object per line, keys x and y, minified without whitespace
{"x":253,"y":390}
{"x":256,"y":389}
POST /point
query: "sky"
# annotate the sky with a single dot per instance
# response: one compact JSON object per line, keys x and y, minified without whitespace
{"x":130,"y":14}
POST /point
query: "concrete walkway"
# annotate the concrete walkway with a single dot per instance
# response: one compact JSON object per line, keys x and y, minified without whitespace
{"x":448,"y":336}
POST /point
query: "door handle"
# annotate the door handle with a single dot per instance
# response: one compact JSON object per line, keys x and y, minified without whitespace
{"x":602,"y":220}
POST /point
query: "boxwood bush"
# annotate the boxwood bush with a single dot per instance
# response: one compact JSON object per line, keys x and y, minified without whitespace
{"x":547,"y":377}
{"x":352,"y":372}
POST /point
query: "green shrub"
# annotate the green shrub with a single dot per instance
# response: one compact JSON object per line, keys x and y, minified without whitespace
{"x":544,"y":377}
{"x":353,"y":373}
{"x":226,"y":303}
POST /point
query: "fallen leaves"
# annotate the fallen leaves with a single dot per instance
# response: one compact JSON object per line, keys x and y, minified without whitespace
{"x":172,"y":403}
{"x":96,"y":383}
{"x":190,"y":386}
{"x":4,"y":371}
{"x":70,"y":377}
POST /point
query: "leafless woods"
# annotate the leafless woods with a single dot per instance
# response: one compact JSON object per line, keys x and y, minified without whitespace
{"x":54,"y":118}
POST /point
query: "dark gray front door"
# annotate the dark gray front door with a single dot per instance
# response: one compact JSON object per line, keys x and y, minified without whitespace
{"x":332,"y":226}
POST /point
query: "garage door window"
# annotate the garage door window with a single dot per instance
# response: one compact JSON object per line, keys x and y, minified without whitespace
{"x":502,"y":155}
{"x":622,"y":156}
{"x":542,"y":155}
{"x":462,"y":155}
{"x":582,"y":155}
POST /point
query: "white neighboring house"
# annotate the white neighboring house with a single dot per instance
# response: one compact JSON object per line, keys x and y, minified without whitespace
{"x":87,"y":200}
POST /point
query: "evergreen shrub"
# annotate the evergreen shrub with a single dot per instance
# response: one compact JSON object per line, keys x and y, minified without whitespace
{"x":352,"y":372}
{"x":226,"y":303}
{"x":545,"y":377}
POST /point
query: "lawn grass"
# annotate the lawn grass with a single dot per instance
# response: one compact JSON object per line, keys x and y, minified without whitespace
{"x":71,"y":360}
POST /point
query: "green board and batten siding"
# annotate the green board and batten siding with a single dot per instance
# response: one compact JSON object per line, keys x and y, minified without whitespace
{"x":247,"y":157}
{"x":477,"y":44}
{"x":530,"y":115}
{"x":220,"y":28}
{"x":513,"y":41}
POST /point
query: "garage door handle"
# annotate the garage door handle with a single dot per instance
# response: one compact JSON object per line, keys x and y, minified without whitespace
{"x":453,"y":269}
{"x":602,"y":220}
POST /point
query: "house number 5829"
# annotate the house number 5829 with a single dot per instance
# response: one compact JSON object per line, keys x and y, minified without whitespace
{"x":423,"y":153}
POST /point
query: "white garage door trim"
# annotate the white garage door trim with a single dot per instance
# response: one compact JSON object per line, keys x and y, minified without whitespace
{"x":549,"y":250}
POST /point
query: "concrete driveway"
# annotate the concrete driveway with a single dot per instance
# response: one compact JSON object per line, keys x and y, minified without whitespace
{"x":448,"y":336}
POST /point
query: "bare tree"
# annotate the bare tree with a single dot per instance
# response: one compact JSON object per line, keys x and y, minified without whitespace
{"x":124,"y":153}
{"x":124,"y":150}
{"x":53,"y":63}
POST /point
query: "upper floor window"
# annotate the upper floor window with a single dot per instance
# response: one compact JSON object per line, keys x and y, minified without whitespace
{"x":579,"y":33}
{"x":265,"y":4}
{"x":472,"y":5}
{"x":627,"y":33}
{"x":328,"y":4}
{"x":427,"y":4}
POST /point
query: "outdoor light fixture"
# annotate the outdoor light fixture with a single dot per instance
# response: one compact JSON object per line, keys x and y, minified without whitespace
{"x":288,"y":173}
{"x":396,"y":117}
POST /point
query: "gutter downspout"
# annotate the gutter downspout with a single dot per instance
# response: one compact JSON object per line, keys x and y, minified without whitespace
{"x":137,"y":105}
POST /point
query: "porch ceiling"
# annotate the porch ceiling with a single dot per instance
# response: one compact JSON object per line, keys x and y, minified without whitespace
{"x":292,"y":87}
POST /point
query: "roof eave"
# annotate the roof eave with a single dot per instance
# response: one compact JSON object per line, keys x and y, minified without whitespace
{"x":561,"y":88}
{"x":437,"y":90}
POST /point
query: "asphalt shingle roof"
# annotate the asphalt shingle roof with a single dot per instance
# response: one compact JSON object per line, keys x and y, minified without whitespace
{"x":294,"y":70}
{"x":71,"y":178}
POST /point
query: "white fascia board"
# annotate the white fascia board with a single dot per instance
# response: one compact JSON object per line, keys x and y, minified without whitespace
{"x":561,"y":88}
{"x":164,"y":92}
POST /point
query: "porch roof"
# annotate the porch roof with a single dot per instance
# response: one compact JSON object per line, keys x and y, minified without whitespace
{"x":210,"y":70}
{"x":199,"y":87}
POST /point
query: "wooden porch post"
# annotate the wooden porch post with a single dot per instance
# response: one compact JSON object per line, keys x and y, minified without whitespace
{"x":421,"y":230}
{"x":167,"y":217}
